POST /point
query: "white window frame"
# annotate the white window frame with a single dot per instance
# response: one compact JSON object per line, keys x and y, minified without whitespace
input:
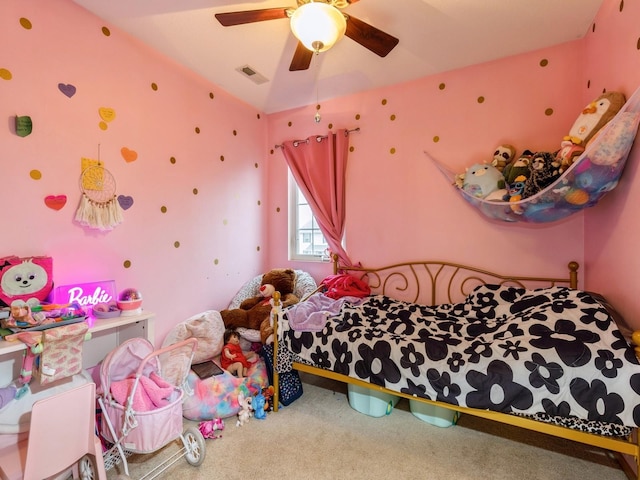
{"x":294,"y":228}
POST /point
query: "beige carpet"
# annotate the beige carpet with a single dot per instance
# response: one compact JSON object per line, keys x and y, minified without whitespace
{"x":321,"y":437}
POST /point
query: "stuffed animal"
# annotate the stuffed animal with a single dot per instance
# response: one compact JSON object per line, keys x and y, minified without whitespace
{"x":519,"y":166}
{"x":515,"y":193}
{"x":258,"y":406}
{"x":544,"y":170}
{"x":253,"y":311}
{"x":27,"y":279}
{"x":245,"y":409}
{"x":591,"y":120}
{"x":208,"y":428}
{"x":482,"y":179}
{"x":503,"y":155}
{"x":267,"y":393}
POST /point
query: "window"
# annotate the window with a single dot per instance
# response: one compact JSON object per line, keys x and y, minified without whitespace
{"x":306,"y":241}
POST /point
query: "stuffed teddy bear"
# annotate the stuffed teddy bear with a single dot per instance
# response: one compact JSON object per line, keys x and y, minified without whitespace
{"x":503,"y":155}
{"x":253,"y":311}
{"x":482,"y":179}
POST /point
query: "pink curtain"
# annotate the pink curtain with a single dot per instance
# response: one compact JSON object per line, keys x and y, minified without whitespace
{"x":318,"y":165}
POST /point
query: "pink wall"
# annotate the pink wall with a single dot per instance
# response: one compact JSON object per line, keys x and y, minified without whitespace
{"x":219,"y":229}
{"x":400,"y":207}
{"x":612,"y":230}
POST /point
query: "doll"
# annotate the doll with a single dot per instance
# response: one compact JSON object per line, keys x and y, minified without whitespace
{"x":233,"y":359}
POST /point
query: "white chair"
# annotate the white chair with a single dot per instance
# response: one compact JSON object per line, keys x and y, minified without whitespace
{"x":61,"y":433}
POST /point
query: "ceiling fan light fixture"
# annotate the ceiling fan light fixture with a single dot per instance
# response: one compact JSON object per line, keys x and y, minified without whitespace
{"x":318,"y":26}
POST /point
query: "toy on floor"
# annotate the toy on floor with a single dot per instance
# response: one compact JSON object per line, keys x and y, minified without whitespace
{"x":267,"y":393}
{"x":258,"y":407}
{"x":233,"y":359}
{"x":208,"y":428}
{"x":245,"y":409}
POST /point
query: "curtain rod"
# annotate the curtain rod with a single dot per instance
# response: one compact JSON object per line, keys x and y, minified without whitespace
{"x":319,"y":137}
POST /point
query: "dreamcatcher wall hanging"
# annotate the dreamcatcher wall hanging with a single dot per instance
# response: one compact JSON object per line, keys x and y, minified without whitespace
{"x":98,"y":207}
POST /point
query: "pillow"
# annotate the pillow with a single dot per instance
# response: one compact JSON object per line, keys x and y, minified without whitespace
{"x":207,"y":327}
{"x":305,"y":285}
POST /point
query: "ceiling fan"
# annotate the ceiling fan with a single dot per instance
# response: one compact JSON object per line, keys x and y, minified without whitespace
{"x":313,"y":19}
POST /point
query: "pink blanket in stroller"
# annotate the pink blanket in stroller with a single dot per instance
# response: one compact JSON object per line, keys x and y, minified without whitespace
{"x":152,"y":392}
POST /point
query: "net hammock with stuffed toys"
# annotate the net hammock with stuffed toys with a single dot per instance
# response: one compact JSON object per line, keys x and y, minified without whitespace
{"x":592,"y":174}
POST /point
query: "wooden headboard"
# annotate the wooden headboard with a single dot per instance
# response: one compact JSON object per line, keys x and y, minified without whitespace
{"x":435,"y":282}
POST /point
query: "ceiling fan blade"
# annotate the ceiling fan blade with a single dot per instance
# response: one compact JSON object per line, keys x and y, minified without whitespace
{"x":251,"y":16}
{"x":301,"y":58}
{"x":370,"y":37}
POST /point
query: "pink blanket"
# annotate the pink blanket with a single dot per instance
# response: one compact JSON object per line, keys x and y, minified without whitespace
{"x":152,"y":392}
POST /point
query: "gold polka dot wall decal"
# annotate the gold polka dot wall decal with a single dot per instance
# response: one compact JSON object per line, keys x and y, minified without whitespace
{"x":173,"y":160}
{"x":216,"y":261}
{"x":436,"y":139}
{"x":548,"y":112}
{"x":259,"y":203}
{"x":235,"y":133}
{"x":154,"y":86}
{"x":255,"y":164}
{"x":351,"y":148}
{"x":26,"y":24}
{"x":357,"y":116}
{"x":176,"y":244}
{"x":393,"y":150}
{"x":258,"y":116}
{"x":127,"y":264}
{"x":106,"y":32}
{"x":195,"y":191}
{"x":588,"y":83}
{"x":544,"y":62}
{"x":392,"y":117}
{"x":638,"y":44}
{"x":330,"y":126}
{"x":384,"y":101}
{"x":35,"y":174}
{"x":278,"y":209}
{"x":211,"y":95}
{"x":258,"y":248}
{"x":289,"y":124}
{"x":5,"y":74}
{"x":225,"y":221}
{"x":197,"y":129}
{"x":441,"y":86}
{"x":480,"y":99}
{"x":163,"y":209}
{"x":621,"y":5}
{"x":593,"y":27}
{"x":222,"y":158}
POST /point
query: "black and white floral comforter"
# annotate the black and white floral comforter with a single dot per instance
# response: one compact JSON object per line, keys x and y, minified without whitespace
{"x":554,"y":352}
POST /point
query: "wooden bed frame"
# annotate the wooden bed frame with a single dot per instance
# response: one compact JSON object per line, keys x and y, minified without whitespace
{"x":428,"y":281}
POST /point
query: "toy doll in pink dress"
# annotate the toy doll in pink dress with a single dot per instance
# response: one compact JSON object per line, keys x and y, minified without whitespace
{"x":233,"y":359}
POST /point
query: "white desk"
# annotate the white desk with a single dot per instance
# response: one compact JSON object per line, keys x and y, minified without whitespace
{"x":106,"y":334}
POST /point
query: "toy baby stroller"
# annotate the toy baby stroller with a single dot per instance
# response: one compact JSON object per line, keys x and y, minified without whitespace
{"x":142,"y":403}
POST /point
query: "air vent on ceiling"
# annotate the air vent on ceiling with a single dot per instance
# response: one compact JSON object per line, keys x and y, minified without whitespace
{"x":252,"y":74}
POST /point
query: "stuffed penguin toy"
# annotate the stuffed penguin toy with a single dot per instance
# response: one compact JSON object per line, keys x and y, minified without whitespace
{"x":595,"y":116}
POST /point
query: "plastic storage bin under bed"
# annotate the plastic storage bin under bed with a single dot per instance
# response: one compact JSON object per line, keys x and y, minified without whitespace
{"x":378,"y":404}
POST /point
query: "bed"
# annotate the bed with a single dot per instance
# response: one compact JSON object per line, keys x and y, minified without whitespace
{"x":533,"y":352}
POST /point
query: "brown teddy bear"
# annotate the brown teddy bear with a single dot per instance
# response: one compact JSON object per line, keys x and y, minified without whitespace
{"x":253,"y":311}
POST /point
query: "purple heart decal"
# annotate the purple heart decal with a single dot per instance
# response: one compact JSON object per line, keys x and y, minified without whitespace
{"x":68,"y":90}
{"x":125,"y":201}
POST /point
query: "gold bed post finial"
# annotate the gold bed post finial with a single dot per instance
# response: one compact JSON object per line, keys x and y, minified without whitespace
{"x":573,"y":274}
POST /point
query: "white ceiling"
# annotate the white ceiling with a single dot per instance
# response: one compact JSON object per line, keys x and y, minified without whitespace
{"x":435,"y":36}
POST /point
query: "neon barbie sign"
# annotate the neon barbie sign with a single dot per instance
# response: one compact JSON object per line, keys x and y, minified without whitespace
{"x":86,"y":294}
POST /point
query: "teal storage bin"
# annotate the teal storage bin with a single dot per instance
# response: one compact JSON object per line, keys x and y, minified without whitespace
{"x":371,"y":402}
{"x":438,"y":416}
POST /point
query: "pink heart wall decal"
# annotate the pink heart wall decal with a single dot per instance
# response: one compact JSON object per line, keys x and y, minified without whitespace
{"x":55,"y":202}
{"x":129,"y":155}
{"x":125,"y":201}
{"x":68,"y":89}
